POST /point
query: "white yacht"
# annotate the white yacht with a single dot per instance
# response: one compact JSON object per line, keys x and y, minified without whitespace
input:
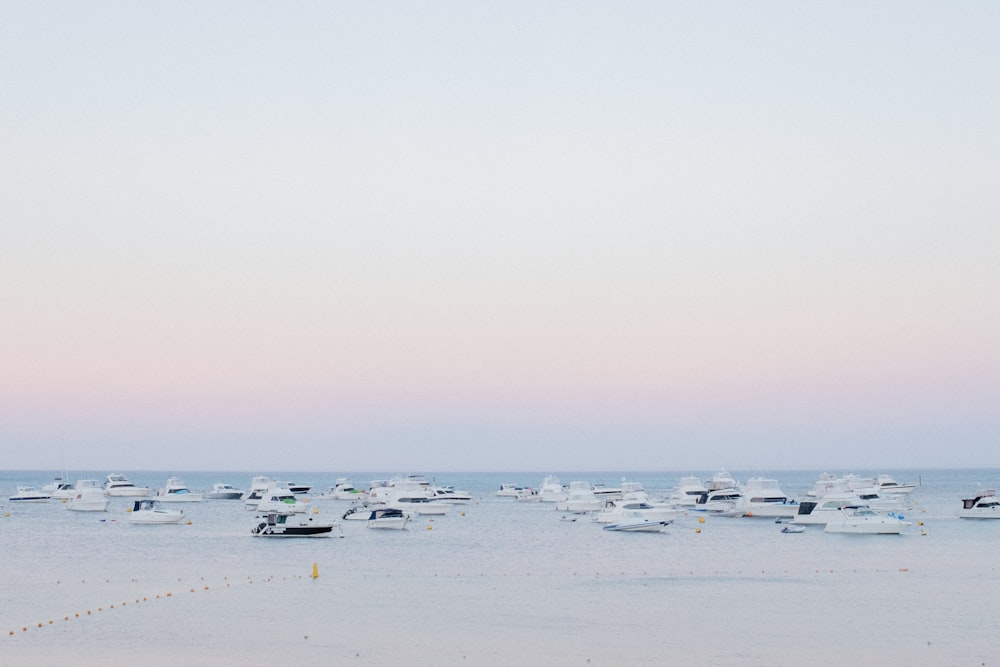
{"x":150,"y":511}
{"x":764,"y":498}
{"x":580,"y":498}
{"x":818,"y":511}
{"x":117,"y":485}
{"x":636,"y":522}
{"x":388,"y":517}
{"x":344,"y":489}
{"x":88,"y":496}
{"x":861,"y":520}
{"x":551,"y":490}
{"x":617,"y":510}
{"x":223,"y":491}
{"x":258,"y":485}
{"x":278,"y":498}
{"x":985,"y":505}
{"x":29,"y":494}
{"x":887,"y":484}
{"x":508,"y":490}
{"x":57,"y":488}
{"x":688,"y":492}
{"x":175,"y":491}
{"x":451,"y":495}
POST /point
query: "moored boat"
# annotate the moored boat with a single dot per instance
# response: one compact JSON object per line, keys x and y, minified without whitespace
{"x":388,"y":517}
{"x":88,"y":496}
{"x":862,"y":520}
{"x":150,"y":511}
{"x":985,"y":505}
{"x":223,"y":491}
{"x":117,"y":485}
{"x":636,"y":523}
{"x":29,"y":494}
{"x":175,"y":491}
{"x":282,"y":524}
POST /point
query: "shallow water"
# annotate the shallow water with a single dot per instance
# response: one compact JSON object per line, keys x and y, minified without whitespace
{"x":496,"y":582}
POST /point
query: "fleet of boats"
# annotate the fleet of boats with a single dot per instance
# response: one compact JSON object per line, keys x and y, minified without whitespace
{"x":840,"y":504}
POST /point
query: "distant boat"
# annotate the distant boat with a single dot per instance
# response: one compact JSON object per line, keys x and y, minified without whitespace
{"x":149,"y":510}
{"x":29,"y":494}
{"x":281,"y":524}
{"x":984,"y":505}
{"x":117,"y":485}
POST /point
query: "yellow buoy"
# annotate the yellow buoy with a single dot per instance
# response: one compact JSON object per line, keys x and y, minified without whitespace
{"x":697,"y":530}
{"x":315,"y":574}
{"x":701,"y":519}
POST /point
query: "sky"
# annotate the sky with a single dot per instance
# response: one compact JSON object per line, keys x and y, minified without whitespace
{"x":464,"y":236}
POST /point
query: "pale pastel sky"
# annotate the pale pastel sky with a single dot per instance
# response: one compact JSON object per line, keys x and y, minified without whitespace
{"x":499,"y":236}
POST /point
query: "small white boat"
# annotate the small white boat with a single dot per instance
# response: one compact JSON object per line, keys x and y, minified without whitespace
{"x":57,"y":488}
{"x":862,"y":520}
{"x":223,"y":491}
{"x":985,"y":505}
{"x":29,"y":494}
{"x":278,"y":498}
{"x":450,"y":495}
{"x":551,"y":490}
{"x":508,"y":491}
{"x":88,"y":496}
{"x":343,"y":489}
{"x":887,"y":484}
{"x":281,"y":524}
{"x":418,"y":505}
{"x":637,"y":523}
{"x":117,"y":485}
{"x":388,"y":517}
{"x":617,"y":510}
{"x":360,"y":511}
{"x":175,"y":491}
{"x":793,"y":529}
{"x":149,"y":510}
{"x":688,"y":492}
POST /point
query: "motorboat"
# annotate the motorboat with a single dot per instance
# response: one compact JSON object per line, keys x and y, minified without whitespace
{"x":606,"y":493}
{"x":450,"y":495}
{"x":818,"y":511}
{"x":258,"y":485}
{"x":580,"y":498}
{"x":722,"y":480}
{"x":360,"y":511}
{"x":58,"y":488}
{"x":150,"y":510}
{"x":343,"y":489}
{"x":278,"y":498}
{"x":298,"y":489}
{"x":793,"y":530}
{"x":88,"y":496}
{"x":764,"y":498}
{"x":283,"y":524}
{"x":508,"y":490}
{"x":527,"y":494}
{"x":117,"y":485}
{"x":636,"y":523}
{"x":551,"y":490}
{"x":719,"y":501}
{"x":175,"y":491}
{"x":223,"y":491}
{"x":29,"y":494}
{"x":388,"y":517}
{"x":887,"y":484}
{"x":688,"y":492}
{"x":418,"y":505}
{"x":618,"y":510}
{"x":862,"y":520}
{"x":985,"y":505}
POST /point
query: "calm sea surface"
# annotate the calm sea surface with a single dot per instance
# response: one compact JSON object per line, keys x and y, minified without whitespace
{"x":495,"y":582}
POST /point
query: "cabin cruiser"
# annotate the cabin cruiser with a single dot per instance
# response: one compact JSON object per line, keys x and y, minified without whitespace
{"x":887,"y":484}
{"x":388,"y":517}
{"x":764,"y":498}
{"x":175,"y":491}
{"x":117,"y":485}
{"x":818,"y":511}
{"x":580,"y":498}
{"x":551,"y":490}
{"x":258,"y":485}
{"x":508,"y":491}
{"x":150,"y":510}
{"x":283,"y":524}
{"x":617,"y":510}
{"x":58,"y":488}
{"x":278,"y":498}
{"x":637,"y":523}
{"x":448,"y":494}
{"x":719,"y":501}
{"x":29,"y":494}
{"x":688,"y":492}
{"x":343,"y":489}
{"x":88,"y":496}
{"x":417,"y":505}
{"x":223,"y":491}
{"x":985,"y":505}
{"x":861,"y":520}
{"x":298,"y":489}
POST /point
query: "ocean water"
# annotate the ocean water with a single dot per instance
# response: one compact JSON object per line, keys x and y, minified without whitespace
{"x":495,"y":582}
